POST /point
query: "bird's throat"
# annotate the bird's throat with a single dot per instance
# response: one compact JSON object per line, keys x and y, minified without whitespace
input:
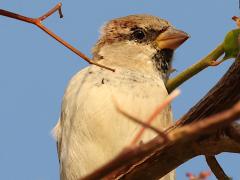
{"x":138,"y":57}
{"x":162,"y":60}
{"x":129,"y":55}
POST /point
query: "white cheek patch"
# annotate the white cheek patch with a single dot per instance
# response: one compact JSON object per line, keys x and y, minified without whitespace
{"x":128,"y":50}
{"x":149,"y":62}
{"x":142,"y":57}
{"x":141,"y":51}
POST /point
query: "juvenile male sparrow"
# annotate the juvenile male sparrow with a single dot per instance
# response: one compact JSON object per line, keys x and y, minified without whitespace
{"x":90,"y":131}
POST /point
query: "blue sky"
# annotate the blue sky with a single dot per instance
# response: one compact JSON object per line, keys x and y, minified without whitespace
{"x":35,"y":69}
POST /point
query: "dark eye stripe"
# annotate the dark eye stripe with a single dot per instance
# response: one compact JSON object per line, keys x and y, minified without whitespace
{"x":153,"y":33}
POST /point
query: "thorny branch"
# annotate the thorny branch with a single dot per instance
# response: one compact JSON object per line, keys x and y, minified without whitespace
{"x":38,"y":23}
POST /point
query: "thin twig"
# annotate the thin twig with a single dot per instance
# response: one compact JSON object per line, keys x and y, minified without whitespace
{"x":163,"y":105}
{"x":69,"y":46}
{"x":37,"y":22}
{"x":195,"y":68}
{"x":216,"y":168}
{"x":53,"y":10}
{"x":136,"y":120}
{"x":183,"y":134}
{"x":60,"y":12}
{"x":155,"y":113}
{"x":209,"y":60}
{"x":147,"y":123}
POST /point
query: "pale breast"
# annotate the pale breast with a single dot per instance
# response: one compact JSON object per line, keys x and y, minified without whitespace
{"x":90,"y":123}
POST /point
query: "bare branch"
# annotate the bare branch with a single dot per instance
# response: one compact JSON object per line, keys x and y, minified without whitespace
{"x":37,"y":22}
{"x":209,"y":124}
{"x":163,"y":105}
{"x":132,"y":164}
{"x":221,"y":97}
{"x":60,"y":12}
{"x":17,"y":16}
{"x":53,"y":10}
{"x":233,"y":132}
{"x":158,"y":159}
{"x":147,"y":123}
{"x":137,"y":120}
{"x":195,"y":68}
{"x":216,"y":168}
{"x":155,"y":113}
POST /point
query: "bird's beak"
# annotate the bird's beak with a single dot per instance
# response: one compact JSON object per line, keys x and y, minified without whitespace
{"x":171,"y":39}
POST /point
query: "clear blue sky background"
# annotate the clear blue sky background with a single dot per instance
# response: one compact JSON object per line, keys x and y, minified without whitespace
{"x":35,"y":69}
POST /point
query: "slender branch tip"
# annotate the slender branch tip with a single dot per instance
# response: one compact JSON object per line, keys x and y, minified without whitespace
{"x":53,"y":10}
{"x":38,"y":23}
{"x":60,"y":10}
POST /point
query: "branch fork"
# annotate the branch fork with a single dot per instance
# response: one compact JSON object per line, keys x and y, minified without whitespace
{"x":38,"y":23}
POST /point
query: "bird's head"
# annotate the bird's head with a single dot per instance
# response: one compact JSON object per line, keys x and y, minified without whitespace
{"x":140,"y":42}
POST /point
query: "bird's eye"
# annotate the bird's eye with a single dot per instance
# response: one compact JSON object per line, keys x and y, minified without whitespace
{"x":138,"y":34}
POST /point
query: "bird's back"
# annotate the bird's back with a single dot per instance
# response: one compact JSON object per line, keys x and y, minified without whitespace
{"x":90,"y":131}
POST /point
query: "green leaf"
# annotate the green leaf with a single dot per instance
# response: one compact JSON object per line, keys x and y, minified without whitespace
{"x":231,"y":44}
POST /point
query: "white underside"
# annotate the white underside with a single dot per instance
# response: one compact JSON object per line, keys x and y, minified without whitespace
{"x":91,"y":132}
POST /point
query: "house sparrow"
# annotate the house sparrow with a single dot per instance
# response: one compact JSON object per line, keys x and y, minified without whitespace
{"x":90,"y":131}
